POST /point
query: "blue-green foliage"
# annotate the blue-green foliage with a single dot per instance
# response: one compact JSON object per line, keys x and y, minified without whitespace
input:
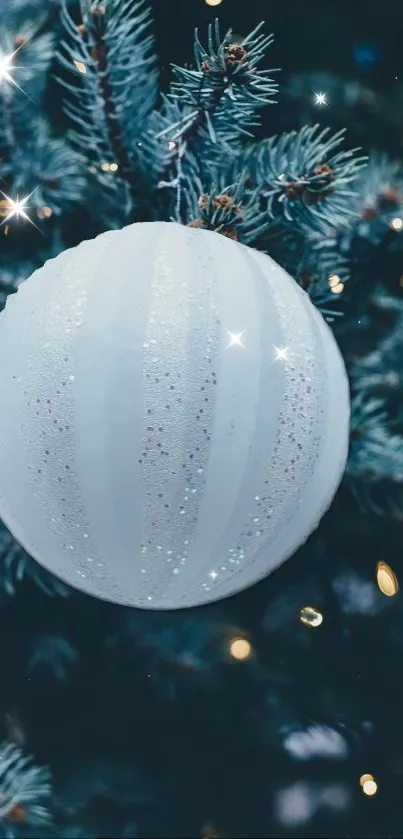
{"x":305,"y":177}
{"x":16,"y":565}
{"x":25,"y":790}
{"x":111,"y":85}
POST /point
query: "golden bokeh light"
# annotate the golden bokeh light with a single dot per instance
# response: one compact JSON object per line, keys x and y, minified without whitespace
{"x":45,"y":212}
{"x":240,"y":649}
{"x":368,"y":785}
{"x":80,"y":66}
{"x":397,"y":224}
{"x":386,"y":578}
{"x":213,"y":2}
{"x":336,"y":285}
{"x":310,"y":616}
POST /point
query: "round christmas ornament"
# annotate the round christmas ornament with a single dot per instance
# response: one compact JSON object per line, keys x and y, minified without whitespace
{"x":174,"y":416}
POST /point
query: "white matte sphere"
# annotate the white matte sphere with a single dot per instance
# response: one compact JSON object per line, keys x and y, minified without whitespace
{"x":173,"y":416}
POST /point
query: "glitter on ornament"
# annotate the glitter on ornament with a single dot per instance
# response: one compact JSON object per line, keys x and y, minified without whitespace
{"x":235,"y":339}
{"x":281,"y":353}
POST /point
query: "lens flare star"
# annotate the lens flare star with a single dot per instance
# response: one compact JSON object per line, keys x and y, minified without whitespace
{"x":6,"y":70}
{"x":320,"y":99}
{"x":281,"y":353}
{"x":235,"y":339}
{"x":17,"y":208}
{"x":5,"y":67}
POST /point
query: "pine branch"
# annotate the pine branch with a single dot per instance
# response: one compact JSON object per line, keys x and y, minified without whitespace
{"x":25,"y":56}
{"x":230,"y":210}
{"x":16,"y":565}
{"x":225,"y":90}
{"x":48,"y":170}
{"x":304,"y":178}
{"x":113,"y":89}
{"x":25,"y":791}
{"x":212,"y":106}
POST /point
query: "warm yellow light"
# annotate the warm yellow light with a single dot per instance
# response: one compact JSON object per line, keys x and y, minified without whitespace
{"x":334,"y":279}
{"x":45,"y":212}
{"x":368,"y":785}
{"x":386,"y":579}
{"x":105,"y":167}
{"x":397,"y":224}
{"x":337,"y":288}
{"x":80,"y":66}
{"x":113,"y":167}
{"x":213,"y":2}
{"x":310,"y":616}
{"x":240,"y":649}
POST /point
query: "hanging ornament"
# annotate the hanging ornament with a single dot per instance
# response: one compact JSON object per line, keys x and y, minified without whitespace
{"x":174,"y":416}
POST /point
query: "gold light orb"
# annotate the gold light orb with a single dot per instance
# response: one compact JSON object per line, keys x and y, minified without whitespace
{"x":240,"y":649}
{"x":386,"y":578}
{"x":368,"y":785}
{"x":213,"y":2}
{"x":310,"y":617}
{"x":397,"y":224}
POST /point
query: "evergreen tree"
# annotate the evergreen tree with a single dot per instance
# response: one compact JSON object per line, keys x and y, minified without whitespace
{"x":159,"y":725}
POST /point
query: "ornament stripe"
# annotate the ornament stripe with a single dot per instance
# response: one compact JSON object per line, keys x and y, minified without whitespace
{"x":109,"y":357}
{"x":269,"y":499}
{"x":245,"y":416}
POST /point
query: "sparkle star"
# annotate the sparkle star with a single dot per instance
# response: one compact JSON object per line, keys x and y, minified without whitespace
{"x":281,"y":353}
{"x":235,"y":339}
{"x":320,"y":99}
{"x":7,"y":68}
{"x":213,"y":575}
{"x":17,"y":208}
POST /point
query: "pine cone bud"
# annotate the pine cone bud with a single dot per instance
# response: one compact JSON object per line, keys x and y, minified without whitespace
{"x":236,"y":54}
{"x":198,"y":222}
{"x":203,"y":201}
{"x":390,"y":196}
{"x":369,"y":213}
{"x":326,"y":172}
{"x":223,"y":202}
{"x":294,"y":191}
{"x":229,"y":232}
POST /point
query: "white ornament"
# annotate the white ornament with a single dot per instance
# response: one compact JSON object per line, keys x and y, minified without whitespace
{"x":174,"y":416}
